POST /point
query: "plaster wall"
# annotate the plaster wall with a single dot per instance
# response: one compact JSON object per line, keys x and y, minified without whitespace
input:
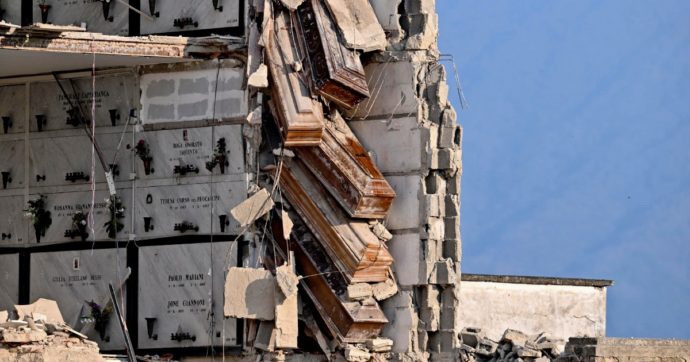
{"x":563,"y":311}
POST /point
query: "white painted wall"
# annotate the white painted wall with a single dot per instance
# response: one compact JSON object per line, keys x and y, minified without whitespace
{"x":562,"y":311}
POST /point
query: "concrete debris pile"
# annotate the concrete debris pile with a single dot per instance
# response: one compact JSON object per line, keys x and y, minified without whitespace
{"x":514,"y":346}
{"x":39,"y":334}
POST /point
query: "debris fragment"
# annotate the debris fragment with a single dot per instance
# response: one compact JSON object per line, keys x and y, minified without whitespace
{"x":256,"y":299}
{"x":381,"y":232}
{"x":259,"y":79}
{"x":359,"y":291}
{"x":283,"y":152}
{"x":287,"y":224}
{"x":358,"y":25}
{"x":287,"y":280}
{"x":380,"y":345}
{"x":384,"y":290}
{"x":292,"y":4}
{"x":354,"y":354}
{"x":286,"y":324}
{"x":252,"y":208}
{"x":46,"y":307}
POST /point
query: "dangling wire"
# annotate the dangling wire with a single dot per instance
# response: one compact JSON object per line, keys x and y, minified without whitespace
{"x":461,"y":95}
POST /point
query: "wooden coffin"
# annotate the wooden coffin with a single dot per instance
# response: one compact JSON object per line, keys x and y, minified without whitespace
{"x":345,"y":169}
{"x":355,"y":250}
{"x":349,"y":322}
{"x":336,"y":70}
{"x":299,"y":116}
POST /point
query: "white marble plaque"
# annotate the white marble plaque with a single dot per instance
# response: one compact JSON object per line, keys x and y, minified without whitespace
{"x":112,"y":92}
{"x":168,"y":206}
{"x":55,"y":157}
{"x":13,"y":105}
{"x":179,"y":285}
{"x":63,"y":206}
{"x":191,"y":147}
{"x":186,"y":96}
{"x":74,"y":278}
{"x":12,"y":161}
{"x":9,"y":281}
{"x":87,"y":12}
{"x":13,"y":224}
{"x":201,"y":15}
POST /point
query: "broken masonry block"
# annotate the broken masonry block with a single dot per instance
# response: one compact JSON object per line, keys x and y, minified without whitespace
{"x":471,"y":336}
{"x":347,"y":171}
{"x":384,"y":290}
{"x":486,"y":347}
{"x":434,"y":206}
{"x":517,"y":338}
{"x":337,"y":71}
{"x":452,"y":249}
{"x":380,"y":345}
{"x":525,"y":352}
{"x":355,"y":250}
{"x":354,"y":354}
{"x":359,"y":291}
{"x":46,"y":307}
{"x":299,"y":115}
{"x":435,"y":228}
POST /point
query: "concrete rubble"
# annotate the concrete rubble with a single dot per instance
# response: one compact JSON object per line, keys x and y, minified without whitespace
{"x":514,"y":346}
{"x":40,"y":334}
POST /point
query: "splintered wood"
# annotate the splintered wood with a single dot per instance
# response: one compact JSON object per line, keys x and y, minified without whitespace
{"x":354,"y":248}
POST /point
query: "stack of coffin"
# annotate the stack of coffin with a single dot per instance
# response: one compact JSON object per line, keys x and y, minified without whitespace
{"x":332,"y":183}
{"x":351,"y":322}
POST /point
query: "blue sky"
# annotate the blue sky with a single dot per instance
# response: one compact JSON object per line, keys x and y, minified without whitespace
{"x":577,"y":148}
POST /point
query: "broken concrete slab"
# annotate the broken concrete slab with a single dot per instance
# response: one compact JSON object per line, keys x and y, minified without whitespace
{"x":250,"y":293}
{"x":252,"y":208}
{"x":471,"y":336}
{"x":47,"y":307}
{"x":517,"y":338}
{"x":358,"y":25}
{"x":286,"y":325}
{"x":486,"y":347}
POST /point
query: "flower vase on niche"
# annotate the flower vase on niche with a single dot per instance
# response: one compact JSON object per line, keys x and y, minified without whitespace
{"x":40,"y":217}
{"x":144,"y":152}
{"x":219,"y":157}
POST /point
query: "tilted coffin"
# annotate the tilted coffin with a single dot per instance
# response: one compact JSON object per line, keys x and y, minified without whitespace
{"x":345,"y":169}
{"x":336,"y":70}
{"x":349,"y":322}
{"x":355,"y":250}
{"x":299,"y":116}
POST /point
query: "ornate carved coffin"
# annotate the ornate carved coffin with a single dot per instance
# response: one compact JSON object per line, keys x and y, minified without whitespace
{"x":357,"y":253}
{"x":336,"y":70}
{"x":299,"y":116}
{"x":349,"y":322}
{"x":345,"y":169}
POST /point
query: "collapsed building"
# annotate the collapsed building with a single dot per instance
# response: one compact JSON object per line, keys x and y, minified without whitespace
{"x":276,"y":178}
